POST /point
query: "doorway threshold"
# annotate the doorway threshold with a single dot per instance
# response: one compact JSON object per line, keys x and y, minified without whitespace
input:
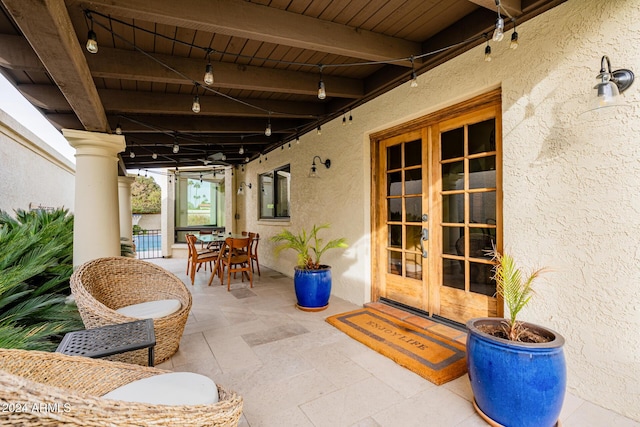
{"x":421,"y":321}
{"x":423,"y":314}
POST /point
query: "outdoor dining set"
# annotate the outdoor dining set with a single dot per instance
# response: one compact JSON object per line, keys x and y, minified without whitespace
{"x":233,"y":253}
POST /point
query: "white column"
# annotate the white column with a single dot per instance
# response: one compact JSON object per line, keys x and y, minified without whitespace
{"x":124,"y":199}
{"x":96,"y":231}
{"x":167,"y":215}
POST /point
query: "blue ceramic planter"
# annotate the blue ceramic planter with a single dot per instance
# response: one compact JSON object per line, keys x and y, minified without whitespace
{"x":313,"y":288}
{"x":516,"y":384}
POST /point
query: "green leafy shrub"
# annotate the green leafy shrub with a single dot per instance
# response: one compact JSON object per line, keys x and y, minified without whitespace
{"x":36,"y":262}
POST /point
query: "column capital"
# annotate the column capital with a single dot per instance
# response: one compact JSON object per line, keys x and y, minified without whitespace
{"x":126,"y":180}
{"x":95,"y":143}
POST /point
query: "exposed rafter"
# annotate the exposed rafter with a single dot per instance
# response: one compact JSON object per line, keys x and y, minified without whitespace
{"x":47,"y":27}
{"x":257,"y":22}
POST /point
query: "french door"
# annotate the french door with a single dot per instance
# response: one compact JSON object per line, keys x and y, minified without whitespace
{"x":439,"y":211}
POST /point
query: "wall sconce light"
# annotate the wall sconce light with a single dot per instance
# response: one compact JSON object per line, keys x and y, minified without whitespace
{"x":313,"y":172}
{"x":611,"y":85}
{"x":241,"y":188}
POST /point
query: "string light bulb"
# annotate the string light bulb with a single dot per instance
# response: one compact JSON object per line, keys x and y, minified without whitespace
{"x":154,"y":156}
{"x":224,"y":157}
{"x":241,"y":150}
{"x":176,"y":147}
{"x":498,"y":33}
{"x":350,"y":118}
{"x":322,"y":93}
{"x":132,"y":155}
{"x":92,"y":39}
{"x":195,"y":107}
{"x":246,"y":159}
{"x":514,"y":37}
{"x":208,"y":74}
{"x":297,"y":139}
{"x":319,"y":130}
{"x":344,"y":120}
{"x":267,"y":131}
{"x":118,"y":129}
{"x":414,"y":77}
{"x":487,"y":53}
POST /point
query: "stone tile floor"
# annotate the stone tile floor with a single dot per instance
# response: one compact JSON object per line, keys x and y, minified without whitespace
{"x":294,"y":369}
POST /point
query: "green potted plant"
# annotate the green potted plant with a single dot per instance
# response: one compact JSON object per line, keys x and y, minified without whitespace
{"x":517,"y":369}
{"x":312,"y":279}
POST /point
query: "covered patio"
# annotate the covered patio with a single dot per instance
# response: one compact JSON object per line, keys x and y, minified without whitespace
{"x":294,"y":369}
{"x":406,"y":125}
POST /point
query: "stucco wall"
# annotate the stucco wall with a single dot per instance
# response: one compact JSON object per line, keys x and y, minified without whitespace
{"x":570,"y":184}
{"x":32,"y":172}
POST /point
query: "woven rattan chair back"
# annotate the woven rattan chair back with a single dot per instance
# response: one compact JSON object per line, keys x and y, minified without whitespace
{"x":103,"y":285}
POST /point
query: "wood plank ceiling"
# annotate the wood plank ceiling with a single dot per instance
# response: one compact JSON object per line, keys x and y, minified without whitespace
{"x":268,"y":57}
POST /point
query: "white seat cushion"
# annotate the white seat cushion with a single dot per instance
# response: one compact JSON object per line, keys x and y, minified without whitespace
{"x":175,"y":388}
{"x":151,"y":309}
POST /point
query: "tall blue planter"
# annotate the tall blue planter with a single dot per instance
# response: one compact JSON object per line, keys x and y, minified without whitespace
{"x":313,"y":288}
{"x":516,"y":384}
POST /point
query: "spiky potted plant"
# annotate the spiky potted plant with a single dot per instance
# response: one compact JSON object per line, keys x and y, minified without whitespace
{"x":312,"y":280}
{"x":517,"y":369}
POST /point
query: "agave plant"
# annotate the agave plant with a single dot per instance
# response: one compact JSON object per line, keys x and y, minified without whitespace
{"x":36,"y":263}
{"x":309,"y":246}
{"x":514,"y":289}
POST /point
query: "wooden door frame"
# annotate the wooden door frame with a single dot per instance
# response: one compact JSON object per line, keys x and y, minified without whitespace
{"x":489,"y":99}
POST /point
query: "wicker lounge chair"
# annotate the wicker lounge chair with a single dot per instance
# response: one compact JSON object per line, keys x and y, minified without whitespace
{"x":103,"y":285}
{"x":52,"y":389}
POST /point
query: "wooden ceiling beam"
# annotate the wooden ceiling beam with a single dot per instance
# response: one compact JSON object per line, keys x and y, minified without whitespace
{"x":50,"y":98}
{"x":258,"y":22}
{"x":109,"y":63}
{"x":48,"y":29}
{"x":132,"y":65}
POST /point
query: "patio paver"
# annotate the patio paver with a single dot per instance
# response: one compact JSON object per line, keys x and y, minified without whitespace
{"x":294,"y":369}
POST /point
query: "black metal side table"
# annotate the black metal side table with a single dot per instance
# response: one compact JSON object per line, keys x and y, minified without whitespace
{"x":110,"y":340}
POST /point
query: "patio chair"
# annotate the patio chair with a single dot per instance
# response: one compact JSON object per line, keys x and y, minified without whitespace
{"x":235,"y":258}
{"x":253,"y":250}
{"x":105,"y":285}
{"x":51,"y":389}
{"x":197,"y":258}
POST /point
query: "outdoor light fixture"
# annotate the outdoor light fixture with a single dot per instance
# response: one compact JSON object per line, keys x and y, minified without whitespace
{"x":92,"y":39}
{"x":208,"y":74}
{"x":611,"y":85}
{"x":514,"y":37}
{"x":313,"y":172}
{"x":414,"y":79}
{"x":319,"y":130}
{"x":487,"y":52}
{"x":118,"y":129}
{"x":132,"y":154}
{"x":241,"y":150}
{"x":267,"y":131}
{"x":241,"y":188}
{"x":154,"y":156}
{"x":195,"y":107}
{"x":176,"y":147}
{"x":498,"y":33}
{"x":322,"y":93}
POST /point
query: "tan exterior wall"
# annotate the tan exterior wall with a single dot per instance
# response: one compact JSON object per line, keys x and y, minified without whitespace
{"x":570,"y":184}
{"x":32,"y":173}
